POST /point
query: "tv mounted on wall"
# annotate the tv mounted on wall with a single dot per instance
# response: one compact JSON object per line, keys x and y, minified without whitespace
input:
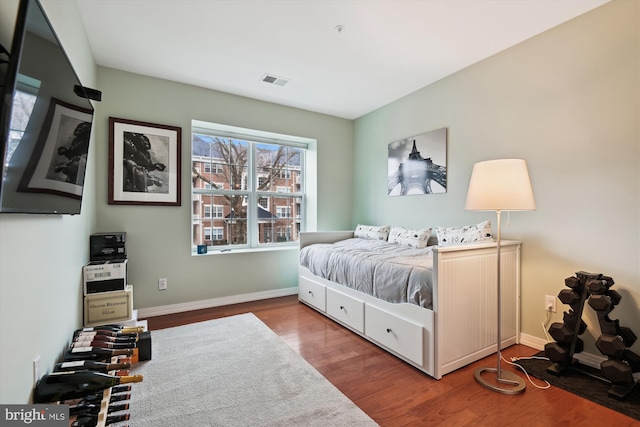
{"x":45,"y":121}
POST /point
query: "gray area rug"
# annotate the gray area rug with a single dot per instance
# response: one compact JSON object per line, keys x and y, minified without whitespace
{"x":234,"y":371}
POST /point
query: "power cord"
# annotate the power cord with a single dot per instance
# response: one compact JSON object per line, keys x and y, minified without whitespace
{"x":515,"y":359}
{"x":545,"y":324}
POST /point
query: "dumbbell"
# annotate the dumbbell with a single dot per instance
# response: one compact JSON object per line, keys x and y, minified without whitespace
{"x":599,"y":286}
{"x":601,"y":302}
{"x":568,"y":296}
{"x":628,"y":337}
{"x":559,"y":353}
{"x":632,"y":359}
{"x":561,"y":333}
{"x":611,"y":345}
{"x":572,"y":282}
{"x":616,"y":371}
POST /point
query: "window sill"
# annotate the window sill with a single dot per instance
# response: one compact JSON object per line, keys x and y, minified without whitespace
{"x":228,"y":250}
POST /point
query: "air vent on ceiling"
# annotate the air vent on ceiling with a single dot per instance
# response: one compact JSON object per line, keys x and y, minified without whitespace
{"x":279,"y":81}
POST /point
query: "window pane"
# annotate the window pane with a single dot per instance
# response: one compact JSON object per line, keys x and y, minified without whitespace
{"x":235,"y":221}
{"x":281,"y":223}
{"x":278,"y":167}
{"x":219,"y":162}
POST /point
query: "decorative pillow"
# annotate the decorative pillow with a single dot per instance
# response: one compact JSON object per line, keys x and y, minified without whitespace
{"x":410,"y":236}
{"x":467,"y":234}
{"x":372,"y":232}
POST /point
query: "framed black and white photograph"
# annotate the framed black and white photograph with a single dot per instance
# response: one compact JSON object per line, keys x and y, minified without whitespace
{"x":144,"y":163}
{"x":60,"y":154}
{"x":418,"y":164}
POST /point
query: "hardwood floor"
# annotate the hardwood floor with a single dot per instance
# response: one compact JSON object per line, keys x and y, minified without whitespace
{"x":394,"y":393}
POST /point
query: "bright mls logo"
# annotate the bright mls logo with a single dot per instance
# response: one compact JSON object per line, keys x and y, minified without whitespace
{"x":37,"y":415}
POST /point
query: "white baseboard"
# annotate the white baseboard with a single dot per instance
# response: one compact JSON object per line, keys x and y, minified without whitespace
{"x":587,"y":359}
{"x":214,"y":302}
{"x":533,"y":342}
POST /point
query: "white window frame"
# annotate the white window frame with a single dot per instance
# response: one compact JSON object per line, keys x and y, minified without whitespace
{"x":306,"y":196}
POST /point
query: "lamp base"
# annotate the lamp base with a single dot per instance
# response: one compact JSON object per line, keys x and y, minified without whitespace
{"x":513,"y":384}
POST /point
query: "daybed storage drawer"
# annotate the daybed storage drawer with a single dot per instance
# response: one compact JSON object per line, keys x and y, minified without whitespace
{"x":346,"y":309}
{"x":398,"y":334}
{"x":312,"y":293}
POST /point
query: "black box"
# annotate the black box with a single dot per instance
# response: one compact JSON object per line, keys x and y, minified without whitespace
{"x":144,"y":346}
{"x":107,"y":246}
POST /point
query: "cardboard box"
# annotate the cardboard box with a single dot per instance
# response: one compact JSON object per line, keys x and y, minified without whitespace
{"x":108,"y":307}
{"x":104,"y":276}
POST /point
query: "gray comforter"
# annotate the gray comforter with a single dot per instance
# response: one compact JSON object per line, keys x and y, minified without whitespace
{"x":388,"y":271}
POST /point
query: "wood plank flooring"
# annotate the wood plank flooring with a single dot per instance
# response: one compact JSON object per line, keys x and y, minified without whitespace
{"x":394,"y":393}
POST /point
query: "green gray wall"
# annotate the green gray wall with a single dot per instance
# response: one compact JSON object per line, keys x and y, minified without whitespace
{"x":159,"y":238}
{"x":41,"y":256}
{"x":567,"y":101}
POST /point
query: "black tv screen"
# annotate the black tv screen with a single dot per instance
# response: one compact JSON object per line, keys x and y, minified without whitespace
{"x":45,"y":121}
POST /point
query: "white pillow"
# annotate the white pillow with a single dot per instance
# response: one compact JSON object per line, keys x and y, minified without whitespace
{"x":372,"y":232}
{"x":468,"y":234}
{"x":410,"y":236}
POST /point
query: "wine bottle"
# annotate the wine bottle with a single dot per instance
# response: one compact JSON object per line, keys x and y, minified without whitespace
{"x":120,"y":397}
{"x":129,"y":335}
{"x":112,"y":328}
{"x":120,"y":388}
{"x":103,"y":344}
{"x":94,"y":408}
{"x":94,"y":353}
{"x":92,"y":365}
{"x":107,"y":338}
{"x":97,"y":398}
{"x":67,"y":385}
{"x":92,"y":420}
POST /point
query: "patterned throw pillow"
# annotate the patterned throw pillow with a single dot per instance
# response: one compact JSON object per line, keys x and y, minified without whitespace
{"x":372,"y":232}
{"x":468,"y":234}
{"x":410,"y":237}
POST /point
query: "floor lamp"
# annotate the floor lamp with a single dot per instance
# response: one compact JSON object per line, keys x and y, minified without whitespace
{"x":500,"y":185}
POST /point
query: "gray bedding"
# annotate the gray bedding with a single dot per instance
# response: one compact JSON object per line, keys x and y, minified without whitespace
{"x":388,"y":271}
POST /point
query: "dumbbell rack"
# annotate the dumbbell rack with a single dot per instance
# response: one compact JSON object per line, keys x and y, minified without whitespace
{"x":614,"y":342}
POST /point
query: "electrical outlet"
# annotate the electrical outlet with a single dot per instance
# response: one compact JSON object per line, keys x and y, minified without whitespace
{"x":162,"y":284}
{"x":550,"y":303}
{"x":36,"y":369}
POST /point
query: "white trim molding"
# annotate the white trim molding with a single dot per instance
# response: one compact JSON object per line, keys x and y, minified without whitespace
{"x":587,"y":359}
{"x":214,"y":302}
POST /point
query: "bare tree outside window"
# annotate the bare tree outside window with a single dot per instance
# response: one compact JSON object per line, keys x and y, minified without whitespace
{"x":248,"y":180}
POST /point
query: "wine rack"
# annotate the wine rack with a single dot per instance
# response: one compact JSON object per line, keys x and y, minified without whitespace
{"x":101,"y":397}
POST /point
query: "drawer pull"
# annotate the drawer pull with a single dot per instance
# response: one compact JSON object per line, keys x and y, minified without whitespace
{"x":310,"y":293}
{"x":388,"y":330}
{"x":342,"y":307}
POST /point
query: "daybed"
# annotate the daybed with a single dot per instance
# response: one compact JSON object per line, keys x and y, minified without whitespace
{"x":459,"y":325}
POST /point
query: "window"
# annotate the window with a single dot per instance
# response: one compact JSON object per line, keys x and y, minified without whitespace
{"x":23,"y":103}
{"x":252,"y":187}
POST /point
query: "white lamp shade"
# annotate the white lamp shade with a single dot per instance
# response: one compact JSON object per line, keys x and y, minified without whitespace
{"x":501,"y":184}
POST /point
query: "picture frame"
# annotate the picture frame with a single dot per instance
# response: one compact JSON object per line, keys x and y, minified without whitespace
{"x":418,"y":164}
{"x":144,"y":163}
{"x":60,"y":153}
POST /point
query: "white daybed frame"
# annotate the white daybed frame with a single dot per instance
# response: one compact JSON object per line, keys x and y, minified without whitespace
{"x":462,"y":326}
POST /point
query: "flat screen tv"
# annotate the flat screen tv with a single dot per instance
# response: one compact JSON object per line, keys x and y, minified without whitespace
{"x":45,"y":121}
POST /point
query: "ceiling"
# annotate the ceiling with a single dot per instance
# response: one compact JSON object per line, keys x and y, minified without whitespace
{"x":386,"y":49}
